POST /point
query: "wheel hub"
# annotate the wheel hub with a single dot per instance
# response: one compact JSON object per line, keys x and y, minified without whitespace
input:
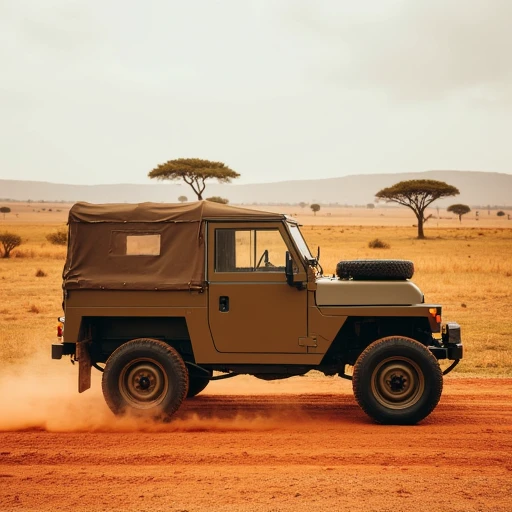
{"x":397,"y":383}
{"x":143,"y":383}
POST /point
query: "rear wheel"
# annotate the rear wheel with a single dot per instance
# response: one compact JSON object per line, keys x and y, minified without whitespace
{"x":197,"y":382}
{"x":397,"y":381}
{"x":145,"y":376}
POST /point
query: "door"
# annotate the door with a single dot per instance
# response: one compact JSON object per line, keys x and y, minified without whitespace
{"x":252,"y":309}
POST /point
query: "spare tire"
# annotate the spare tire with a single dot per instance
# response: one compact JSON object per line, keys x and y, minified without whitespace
{"x":382,"y":270}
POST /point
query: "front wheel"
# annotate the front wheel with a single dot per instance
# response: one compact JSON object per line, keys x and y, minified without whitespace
{"x":145,"y":376}
{"x":397,"y":381}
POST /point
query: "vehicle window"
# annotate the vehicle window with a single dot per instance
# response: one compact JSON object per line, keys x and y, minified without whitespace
{"x":123,"y":243}
{"x":249,"y":250}
{"x":143,"y":245}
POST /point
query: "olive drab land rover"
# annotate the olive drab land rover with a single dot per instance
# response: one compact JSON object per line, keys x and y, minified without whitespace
{"x":160,"y":296}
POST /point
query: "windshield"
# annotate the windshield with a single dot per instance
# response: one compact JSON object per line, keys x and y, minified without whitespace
{"x":299,"y":241}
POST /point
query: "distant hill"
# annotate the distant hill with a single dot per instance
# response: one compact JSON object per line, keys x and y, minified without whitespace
{"x":476,"y":189}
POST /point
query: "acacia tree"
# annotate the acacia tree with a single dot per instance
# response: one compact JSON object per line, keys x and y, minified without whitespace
{"x":417,"y":195}
{"x":9,"y":242}
{"x":194,"y":172}
{"x":315,"y":207}
{"x":4,"y":210}
{"x":182,"y":199}
{"x":459,"y":209}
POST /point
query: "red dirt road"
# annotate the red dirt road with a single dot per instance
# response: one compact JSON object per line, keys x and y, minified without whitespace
{"x":275,"y":449}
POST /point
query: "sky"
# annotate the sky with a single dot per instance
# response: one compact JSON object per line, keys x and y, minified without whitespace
{"x":103,"y":91}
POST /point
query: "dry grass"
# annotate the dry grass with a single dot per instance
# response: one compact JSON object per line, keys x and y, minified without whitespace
{"x":468,"y":270}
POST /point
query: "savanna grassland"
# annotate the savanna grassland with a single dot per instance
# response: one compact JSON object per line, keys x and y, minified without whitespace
{"x":465,"y":267}
{"x":249,"y":445}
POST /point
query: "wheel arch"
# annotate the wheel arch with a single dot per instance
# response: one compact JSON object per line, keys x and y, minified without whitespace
{"x":358,"y":332}
{"x":107,"y":333}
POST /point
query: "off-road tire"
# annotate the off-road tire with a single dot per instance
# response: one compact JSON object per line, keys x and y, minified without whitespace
{"x":145,"y":377}
{"x":397,"y":381}
{"x":197,"y":382}
{"x":390,"y":270}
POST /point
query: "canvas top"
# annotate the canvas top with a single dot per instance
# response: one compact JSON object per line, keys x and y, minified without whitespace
{"x":147,"y":246}
{"x":164,"y":212}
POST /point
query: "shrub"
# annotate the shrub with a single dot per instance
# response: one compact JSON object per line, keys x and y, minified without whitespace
{"x":33,"y":309}
{"x":25,"y":253}
{"x":501,"y":213}
{"x":59,"y":237}
{"x":41,"y":273}
{"x":217,"y":199}
{"x":378,"y":244}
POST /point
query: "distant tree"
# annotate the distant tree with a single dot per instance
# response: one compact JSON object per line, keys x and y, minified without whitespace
{"x":302,"y":204}
{"x":4,"y":210}
{"x":9,"y":242}
{"x":501,"y":213}
{"x":417,"y":195}
{"x":217,"y":199}
{"x":459,"y":209}
{"x":370,"y":206}
{"x":183,"y":199}
{"x":194,"y":172}
{"x":315,"y":207}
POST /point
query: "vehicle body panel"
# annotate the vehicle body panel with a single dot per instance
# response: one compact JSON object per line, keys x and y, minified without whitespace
{"x":337,"y":292}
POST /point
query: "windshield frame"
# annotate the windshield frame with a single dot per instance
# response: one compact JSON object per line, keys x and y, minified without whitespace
{"x":299,"y":240}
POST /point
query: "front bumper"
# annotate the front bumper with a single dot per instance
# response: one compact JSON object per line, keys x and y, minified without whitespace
{"x":451,"y":347}
{"x":452,"y":352}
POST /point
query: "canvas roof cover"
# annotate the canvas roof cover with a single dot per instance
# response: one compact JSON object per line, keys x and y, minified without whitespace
{"x":146,"y":246}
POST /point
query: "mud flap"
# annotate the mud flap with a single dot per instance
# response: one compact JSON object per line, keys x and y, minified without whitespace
{"x":84,"y":365}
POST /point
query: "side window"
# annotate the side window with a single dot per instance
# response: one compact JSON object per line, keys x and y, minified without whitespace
{"x":249,"y":250}
{"x":129,"y":243}
{"x":143,"y":245}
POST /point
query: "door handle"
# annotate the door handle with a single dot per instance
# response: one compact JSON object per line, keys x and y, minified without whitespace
{"x":223,"y":304}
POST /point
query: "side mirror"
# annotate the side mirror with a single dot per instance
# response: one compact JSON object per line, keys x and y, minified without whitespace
{"x":290,"y":276}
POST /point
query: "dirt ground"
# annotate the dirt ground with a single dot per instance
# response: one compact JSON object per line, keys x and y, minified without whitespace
{"x":301,"y":444}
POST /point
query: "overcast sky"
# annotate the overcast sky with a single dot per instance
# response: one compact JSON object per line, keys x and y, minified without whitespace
{"x":102,"y":91}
